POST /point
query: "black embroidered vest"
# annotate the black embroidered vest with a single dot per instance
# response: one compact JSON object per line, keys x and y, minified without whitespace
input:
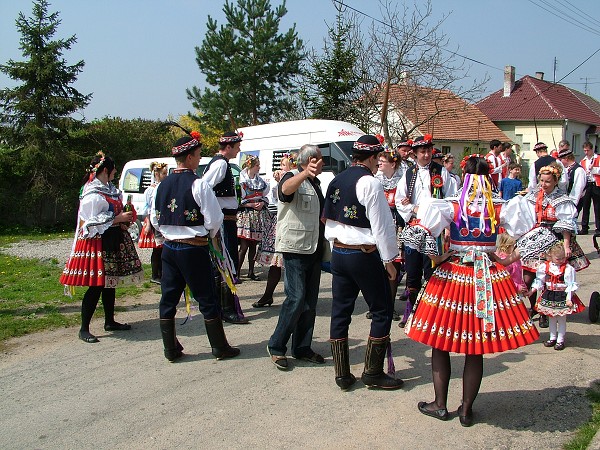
{"x":542,"y":161}
{"x":571,"y":174}
{"x":341,"y":203}
{"x":226,"y":188}
{"x":175,"y":204}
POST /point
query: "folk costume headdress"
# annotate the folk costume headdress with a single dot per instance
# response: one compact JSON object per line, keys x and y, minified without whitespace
{"x":231,"y":137}
{"x":423,"y":141}
{"x":367,"y":145}
{"x":93,"y":168}
{"x":187,"y":143}
{"x":540,"y":146}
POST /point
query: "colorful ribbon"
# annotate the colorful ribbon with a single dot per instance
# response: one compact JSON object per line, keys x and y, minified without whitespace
{"x":484,"y":298}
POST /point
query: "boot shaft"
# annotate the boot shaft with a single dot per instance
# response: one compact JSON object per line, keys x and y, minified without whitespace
{"x":341,"y":360}
{"x":172,"y":347}
{"x":375,"y":355}
{"x":218,"y":342}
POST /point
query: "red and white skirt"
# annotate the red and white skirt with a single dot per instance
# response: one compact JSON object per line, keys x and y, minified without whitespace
{"x":446,"y":319}
{"x":148,"y":239}
{"x":107,"y":260}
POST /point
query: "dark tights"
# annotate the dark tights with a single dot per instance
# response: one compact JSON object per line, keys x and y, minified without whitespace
{"x":250,"y":247}
{"x":272,"y":282}
{"x":528,"y":278}
{"x":90,"y":301}
{"x":441,"y":369}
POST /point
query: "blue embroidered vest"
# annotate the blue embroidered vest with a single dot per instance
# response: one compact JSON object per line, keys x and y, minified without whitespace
{"x":341,"y":203}
{"x":226,"y":188}
{"x":175,"y":204}
{"x":469,"y":236}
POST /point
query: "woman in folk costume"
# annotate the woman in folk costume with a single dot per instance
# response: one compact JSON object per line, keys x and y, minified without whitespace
{"x":470,"y":304}
{"x":266,"y":254}
{"x":149,"y":237}
{"x":253,"y":212}
{"x":549,"y":208}
{"x":389,"y":174}
{"x":103,"y":255}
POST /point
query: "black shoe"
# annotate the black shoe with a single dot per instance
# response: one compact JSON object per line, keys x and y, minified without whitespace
{"x":253,"y":277}
{"x":550,"y":343}
{"x":116,"y":326}
{"x":559,"y":346}
{"x":396,"y":316}
{"x":441,"y":414}
{"x":402,"y":323}
{"x":544,"y":322}
{"x":86,"y":336}
{"x":314,"y":358}
{"x":584,"y":232}
{"x":345,"y":382}
{"x":263,"y":302}
{"x":155,"y":280}
{"x":465,"y":420}
{"x":232,"y":317}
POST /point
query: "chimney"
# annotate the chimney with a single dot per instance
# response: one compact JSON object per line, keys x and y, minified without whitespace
{"x":509,"y":80}
{"x":539,"y":75}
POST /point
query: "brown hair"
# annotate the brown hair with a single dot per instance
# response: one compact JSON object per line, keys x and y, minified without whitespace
{"x":505,"y":243}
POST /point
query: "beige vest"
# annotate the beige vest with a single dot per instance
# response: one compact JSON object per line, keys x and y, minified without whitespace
{"x":298,"y":221}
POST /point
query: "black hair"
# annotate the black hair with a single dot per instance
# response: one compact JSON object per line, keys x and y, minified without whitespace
{"x":95,"y":163}
{"x":477,"y":166}
{"x":495,"y":143}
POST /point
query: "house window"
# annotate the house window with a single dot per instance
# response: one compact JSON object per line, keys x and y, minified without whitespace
{"x":575,"y":143}
{"x":445,"y":149}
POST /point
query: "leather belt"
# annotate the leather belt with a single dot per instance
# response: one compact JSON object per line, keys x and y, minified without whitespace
{"x":230,"y":217}
{"x":198,"y":241}
{"x":365,"y":248}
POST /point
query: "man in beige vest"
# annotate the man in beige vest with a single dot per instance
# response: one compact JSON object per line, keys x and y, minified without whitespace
{"x":299,"y":237}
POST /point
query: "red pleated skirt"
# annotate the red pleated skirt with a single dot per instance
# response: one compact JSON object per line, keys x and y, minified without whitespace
{"x":147,"y":240}
{"x":446,"y":319}
{"x":85,"y":266}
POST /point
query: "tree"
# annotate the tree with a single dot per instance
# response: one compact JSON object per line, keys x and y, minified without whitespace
{"x":331,"y":88}
{"x":36,"y":114}
{"x":250,"y":64}
{"x":406,"y":48}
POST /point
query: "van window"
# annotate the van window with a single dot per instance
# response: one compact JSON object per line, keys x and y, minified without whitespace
{"x":136,"y":180}
{"x":334,"y":158}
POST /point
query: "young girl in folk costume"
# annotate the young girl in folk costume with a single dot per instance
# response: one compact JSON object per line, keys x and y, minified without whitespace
{"x":150,"y":237}
{"x":103,"y":255}
{"x":389,"y":175}
{"x":469,"y":305}
{"x":505,"y":246}
{"x":266,"y":255}
{"x":556,"y":279}
{"x":253,"y":212}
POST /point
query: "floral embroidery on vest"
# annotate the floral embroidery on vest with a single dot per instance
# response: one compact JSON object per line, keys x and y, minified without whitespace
{"x":172,"y":206}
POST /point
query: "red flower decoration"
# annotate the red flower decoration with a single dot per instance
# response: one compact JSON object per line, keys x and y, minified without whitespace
{"x":380,"y":138}
{"x":196,"y":135}
{"x":410,"y":142}
{"x":240,"y":134}
{"x":428,"y":138}
{"x":437,"y":181}
{"x":476,"y":232}
{"x":481,"y":305}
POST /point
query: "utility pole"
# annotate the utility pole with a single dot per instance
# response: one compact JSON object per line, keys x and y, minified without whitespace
{"x":555,"y":65}
{"x":585,"y":86}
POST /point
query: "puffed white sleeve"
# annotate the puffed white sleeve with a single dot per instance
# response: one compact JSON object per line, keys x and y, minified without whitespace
{"x":433,"y":217}
{"x":565,"y":213}
{"x":517,"y":216}
{"x":450,"y":187}
{"x":370,"y":194}
{"x":570,"y":280}
{"x":532,"y":178}
{"x":209,"y":206}
{"x":540,"y":278}
{"x":405,"y":211}
{"x":96,"y":215}
{"x":215,"y":173}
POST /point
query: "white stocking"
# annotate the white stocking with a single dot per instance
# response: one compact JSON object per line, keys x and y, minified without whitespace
{"x":552,"y":327}
{"x":562,"y":328}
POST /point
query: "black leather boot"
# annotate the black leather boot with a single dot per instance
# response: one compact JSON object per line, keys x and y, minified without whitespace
{"x":216,"y":336}
{"x":173,"y":349}
{"x":373,"y":375}
{"x":341,"y":362}
{"x":228,"y":309}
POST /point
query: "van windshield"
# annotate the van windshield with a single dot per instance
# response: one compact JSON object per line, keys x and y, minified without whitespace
{"x":346,"y":147}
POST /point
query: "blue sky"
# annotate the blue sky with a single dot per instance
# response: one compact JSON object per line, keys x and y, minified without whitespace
{"x":139,"y":54}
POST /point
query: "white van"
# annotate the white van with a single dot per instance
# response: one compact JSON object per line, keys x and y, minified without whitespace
{"x":269,"y":142}
{"x":136,"y":177}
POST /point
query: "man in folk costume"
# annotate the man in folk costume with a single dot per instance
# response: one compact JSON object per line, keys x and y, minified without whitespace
{"x":496,"y":162}
{"x":591,"y":165}
{"x":187,"y":214}
{"x":544,"y":159}
{"x":404,"y":149}
{"x":426,"y":179}
{"x":576,"y":176}
{"x":505,"y":157}
{"x":362,"y":232}
{"x":219,"y":177}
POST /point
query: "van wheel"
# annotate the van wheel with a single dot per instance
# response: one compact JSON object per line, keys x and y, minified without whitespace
{"x":594,"y":308}
{"x":134,"y":231}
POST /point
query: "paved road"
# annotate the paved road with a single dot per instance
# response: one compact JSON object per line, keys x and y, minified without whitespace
{"x":59,"y":392}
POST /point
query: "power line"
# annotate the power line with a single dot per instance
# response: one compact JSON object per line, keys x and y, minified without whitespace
{"x":564,"y":16}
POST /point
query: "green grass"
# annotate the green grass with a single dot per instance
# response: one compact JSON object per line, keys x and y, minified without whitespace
{"x":586,"y":432}
{"x":31,"y":297}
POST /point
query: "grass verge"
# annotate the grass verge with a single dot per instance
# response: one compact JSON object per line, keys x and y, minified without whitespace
{"x":585,"y":434}
{"x":32,"y":299}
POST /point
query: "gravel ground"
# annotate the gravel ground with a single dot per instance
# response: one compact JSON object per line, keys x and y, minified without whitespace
{"x":59,"y":392}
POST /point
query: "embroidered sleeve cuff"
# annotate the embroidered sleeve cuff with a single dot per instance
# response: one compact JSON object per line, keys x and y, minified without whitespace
{"x":565,"y":225}
{"x":535,"y":242}
{"x":98,"y":224}
{"x":419,"y":238}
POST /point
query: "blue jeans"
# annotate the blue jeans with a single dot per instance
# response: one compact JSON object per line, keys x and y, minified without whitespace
{"x":298,"y":311}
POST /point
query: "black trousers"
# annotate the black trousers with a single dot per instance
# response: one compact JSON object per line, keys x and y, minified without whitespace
{"x":417,"y":266}
{"x":231,"y":241}
{"x":187,"y":264}
{"x":591,"y":194}
{"x":355,"y":271}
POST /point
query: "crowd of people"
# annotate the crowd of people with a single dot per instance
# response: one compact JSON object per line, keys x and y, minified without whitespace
{"x":473,"y":249}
